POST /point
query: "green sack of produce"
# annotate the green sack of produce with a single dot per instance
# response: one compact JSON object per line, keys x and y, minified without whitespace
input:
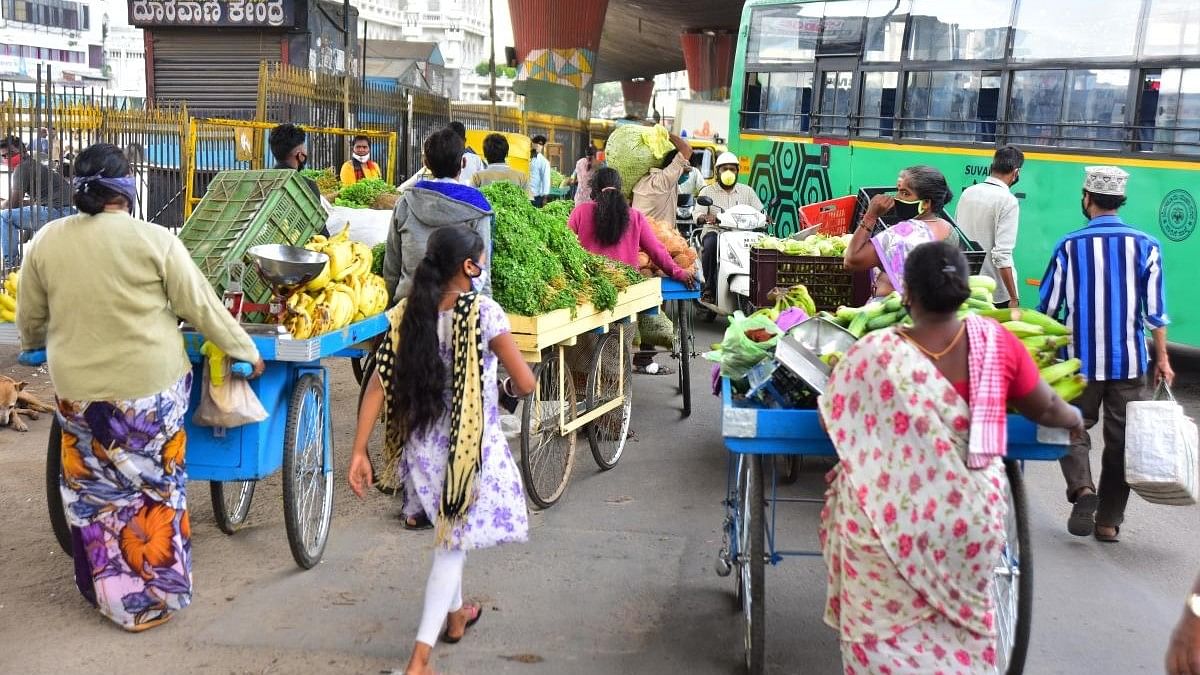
{"x":656,"y":330}
{"x":748,"y":341}
{"x":633,"y":150}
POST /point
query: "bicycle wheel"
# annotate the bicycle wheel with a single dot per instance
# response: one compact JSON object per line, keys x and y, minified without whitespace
{"x":752,"y":574}
{"x":375,"y":442}
{"x":54,"y":501}
{"x":231,"y":503}
{"x":609,"y":377}
{"x":1012,"y":583}
{"x":547,"y":454}
{"x":792,"y":465}
{"x":684,"y":348}
{"x":307,"y":482}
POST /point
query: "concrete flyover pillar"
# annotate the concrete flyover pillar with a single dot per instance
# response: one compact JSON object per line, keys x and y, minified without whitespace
{"x":708,"y":55}
{"x":637,"y":97}
{"x":557,"y":49}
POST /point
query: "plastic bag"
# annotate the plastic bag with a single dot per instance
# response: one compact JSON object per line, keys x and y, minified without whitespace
{"x":738,"y":353}
{"x":1161,"y":452}
{"x":228,"y":403}
{"x":656,"y":330}
{"x":633,"y":150}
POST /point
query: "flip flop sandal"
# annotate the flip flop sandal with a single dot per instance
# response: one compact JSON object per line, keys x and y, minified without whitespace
{"x":1109,"y":538}
{"x":662,"y":370}
{"x":1082,"y":522}
{"x":470,"y":622}
{"x":418,"y":523}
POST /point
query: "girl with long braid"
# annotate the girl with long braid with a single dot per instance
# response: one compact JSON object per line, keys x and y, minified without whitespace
{"x":436,"y":387}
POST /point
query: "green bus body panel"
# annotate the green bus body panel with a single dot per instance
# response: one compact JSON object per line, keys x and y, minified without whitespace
{"x":1164,"y":201}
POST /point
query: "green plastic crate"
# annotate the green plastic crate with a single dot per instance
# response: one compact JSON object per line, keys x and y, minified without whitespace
{"x":243,"y":209}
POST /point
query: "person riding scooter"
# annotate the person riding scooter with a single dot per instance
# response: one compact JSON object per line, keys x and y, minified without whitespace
{"x":725,"y":193}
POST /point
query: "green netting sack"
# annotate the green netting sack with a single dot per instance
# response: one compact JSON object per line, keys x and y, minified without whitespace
{"x":633,"y":150}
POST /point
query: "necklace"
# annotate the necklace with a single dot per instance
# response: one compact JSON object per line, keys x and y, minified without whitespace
{"x":937,"y":356}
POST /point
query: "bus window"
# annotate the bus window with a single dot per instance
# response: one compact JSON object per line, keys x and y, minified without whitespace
{"x":1035,"y":106}
{"x":835,"y":102}
{"x":1097,"y":28}
{"x":784,"y":34}
{"x":1172,"y":28}
{"x":878,"y":105}
{"x":786,"y":102}
{"x":1095,"y":112}
{"x":952,"y":30}
{"x":946,"y":105}
{"x":885,"y":29}
{"x":1168,"y":118}
{"x":842,"y":28}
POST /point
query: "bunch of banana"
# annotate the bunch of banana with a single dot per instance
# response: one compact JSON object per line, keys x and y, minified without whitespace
{"x":346,"y":291}
{"x":8,"y":299}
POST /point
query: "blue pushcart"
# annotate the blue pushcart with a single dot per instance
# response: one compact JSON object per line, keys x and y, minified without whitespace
{"x":755,"y":436}
{"x":297,"y":437}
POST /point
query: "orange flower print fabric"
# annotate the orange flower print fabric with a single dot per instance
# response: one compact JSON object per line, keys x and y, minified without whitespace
{"x":122,"y":487}
{"x":908,"y":532}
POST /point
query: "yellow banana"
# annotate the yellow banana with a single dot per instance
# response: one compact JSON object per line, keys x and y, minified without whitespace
{"x":7,"y":316}
{"x":320,"y":281}
{"x":8,"y":302}
{"x":341,"y":256}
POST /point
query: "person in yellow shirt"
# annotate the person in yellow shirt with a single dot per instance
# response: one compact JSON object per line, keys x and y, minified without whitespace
{"x":360,"y":166}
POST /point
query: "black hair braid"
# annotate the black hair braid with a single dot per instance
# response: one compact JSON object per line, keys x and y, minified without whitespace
{"x":612,"y":212}
{"x":419,"y":380}
{"x":936,"y":277}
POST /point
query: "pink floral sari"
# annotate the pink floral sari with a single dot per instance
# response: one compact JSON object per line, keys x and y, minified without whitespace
{"x":909,"y":533}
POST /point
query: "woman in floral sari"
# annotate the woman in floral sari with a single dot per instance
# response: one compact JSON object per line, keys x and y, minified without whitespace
{"x":921,"y":194}
{"x":103,"y":294}
{"x":915,"y":510}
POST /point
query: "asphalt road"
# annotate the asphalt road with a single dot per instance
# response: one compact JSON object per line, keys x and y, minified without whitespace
{"x":617,"y":578}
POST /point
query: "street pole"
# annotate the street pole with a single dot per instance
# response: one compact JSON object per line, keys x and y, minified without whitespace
{"x":346,"y":64}
{"x":492,"y":58}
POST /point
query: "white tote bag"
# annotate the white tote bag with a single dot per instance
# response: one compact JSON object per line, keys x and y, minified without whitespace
{"x":1161,"y":452}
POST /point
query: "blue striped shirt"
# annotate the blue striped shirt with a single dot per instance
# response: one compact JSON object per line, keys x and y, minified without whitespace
{"x":1108,"y":277}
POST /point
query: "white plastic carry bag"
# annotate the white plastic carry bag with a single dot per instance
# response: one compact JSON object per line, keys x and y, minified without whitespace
{"x":1162,"y":458}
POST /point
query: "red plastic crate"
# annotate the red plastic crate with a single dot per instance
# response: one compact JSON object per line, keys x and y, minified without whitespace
{"x":834,"y":216}
{"x":828,"y":282}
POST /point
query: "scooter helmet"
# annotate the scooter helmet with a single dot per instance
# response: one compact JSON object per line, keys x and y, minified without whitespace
{"x":727,"y":158}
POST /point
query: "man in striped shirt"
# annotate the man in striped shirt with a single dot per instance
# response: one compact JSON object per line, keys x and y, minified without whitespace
{"x":1108,"y":279}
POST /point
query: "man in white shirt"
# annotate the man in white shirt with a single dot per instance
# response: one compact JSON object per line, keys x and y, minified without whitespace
{"x":726,"y":193}
{"x":539,"y":172}
{"x":988,"y":214}
{"x":472,"y":162}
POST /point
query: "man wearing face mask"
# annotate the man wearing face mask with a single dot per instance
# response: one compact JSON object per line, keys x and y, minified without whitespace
{"x":288,"y":146}
{"x":725,"y":193}
{"x":48,"y":191}
{"x":988,"y":214}
{"x":360,"y":166}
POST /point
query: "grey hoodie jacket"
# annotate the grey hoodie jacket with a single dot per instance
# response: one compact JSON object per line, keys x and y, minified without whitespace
{"x":425,"y":207}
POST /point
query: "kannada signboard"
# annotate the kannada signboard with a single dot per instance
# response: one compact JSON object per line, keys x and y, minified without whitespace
{"x":250,"y":13}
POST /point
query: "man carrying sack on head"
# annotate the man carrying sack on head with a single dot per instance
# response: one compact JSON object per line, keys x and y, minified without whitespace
{"x":1090,"y":268}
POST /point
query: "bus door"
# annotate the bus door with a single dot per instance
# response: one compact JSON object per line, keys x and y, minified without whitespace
{"x":836,"y":84}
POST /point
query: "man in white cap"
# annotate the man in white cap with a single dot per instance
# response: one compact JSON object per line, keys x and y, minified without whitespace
{"x":725,"y":193}
{"x":1107,"y":279}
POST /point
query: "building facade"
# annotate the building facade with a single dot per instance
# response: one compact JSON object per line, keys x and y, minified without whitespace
{"x":65,"y":35}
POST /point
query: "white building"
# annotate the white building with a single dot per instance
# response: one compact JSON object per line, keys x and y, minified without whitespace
{"x":124,"y":51}
{"x":460,"y":28}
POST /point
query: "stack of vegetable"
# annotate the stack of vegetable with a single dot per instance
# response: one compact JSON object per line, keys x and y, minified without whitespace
{"x":633,"y":150}
{"x":8,"y":298}
{"x":676,"y":245}
{"x":366,"y":194}
{"x":557,"y":180}
{"x":538,"y":265}
{"x":346,"y":291}
{"x":890,"y":311}
{"x":327,"y":182}
{"x":822,"y":245}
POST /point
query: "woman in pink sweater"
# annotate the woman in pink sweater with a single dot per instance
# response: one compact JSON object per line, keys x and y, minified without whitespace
{"x":608,"y":227}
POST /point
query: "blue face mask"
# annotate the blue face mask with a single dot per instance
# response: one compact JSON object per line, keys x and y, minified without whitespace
{"x":478,"y":281}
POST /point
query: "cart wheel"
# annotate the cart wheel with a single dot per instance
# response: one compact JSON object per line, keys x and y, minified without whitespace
{"x":684,"y":348}
{"x":1012,"y":584}
{"x":753,"y":557}
{"x":54,"y":501}
{"x":608,"y":433}
{"x":358,"y":367}
{"x":744,"y":304}
{"x":547,"y":454}
{"x":231,"y":503}
{"x":791,"y":465}
{"x":307,"y":485}
{"x":375,"y":442}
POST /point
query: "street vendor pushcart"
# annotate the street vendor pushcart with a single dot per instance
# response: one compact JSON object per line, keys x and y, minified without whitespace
{"x":681,"y":301}
{"x":754,"y":435}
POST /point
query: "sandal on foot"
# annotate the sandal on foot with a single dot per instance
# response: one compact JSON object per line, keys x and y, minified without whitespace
{"x":417,"y":523}
{"x":657,"y":370}
{"x":1109,"y":538}
{"x":446,"y":637}
{"x":1082,"y":522}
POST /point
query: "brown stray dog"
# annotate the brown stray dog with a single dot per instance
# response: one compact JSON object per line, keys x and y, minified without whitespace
{"x":15,"y":402}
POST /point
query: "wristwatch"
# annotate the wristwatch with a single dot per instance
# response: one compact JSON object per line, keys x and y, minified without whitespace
{"x":1193,"y":604}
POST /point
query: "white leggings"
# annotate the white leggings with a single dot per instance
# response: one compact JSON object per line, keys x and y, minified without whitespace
{"x":443,"y":593}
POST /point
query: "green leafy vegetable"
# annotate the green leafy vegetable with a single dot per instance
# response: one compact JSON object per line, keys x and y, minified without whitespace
{"x":539,"y":266}
{"x":326,"y":181}
{"x":362,"y":194}
{"x":377,"y":252}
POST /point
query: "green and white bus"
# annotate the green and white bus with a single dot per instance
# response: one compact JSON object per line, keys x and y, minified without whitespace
{"x":832,"y":96}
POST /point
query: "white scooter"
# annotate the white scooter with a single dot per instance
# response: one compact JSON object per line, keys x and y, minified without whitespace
{"x":741,"y":227}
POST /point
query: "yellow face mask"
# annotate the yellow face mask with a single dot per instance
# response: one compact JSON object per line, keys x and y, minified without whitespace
{"x":728,"y":178}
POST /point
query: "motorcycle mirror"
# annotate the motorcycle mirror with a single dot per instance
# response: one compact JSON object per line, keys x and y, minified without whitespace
{"x":704,"y":201}
{"x":774,"y":202}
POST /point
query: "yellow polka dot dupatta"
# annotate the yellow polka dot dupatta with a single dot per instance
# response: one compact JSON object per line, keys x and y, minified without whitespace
{"x":466,"y":412}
